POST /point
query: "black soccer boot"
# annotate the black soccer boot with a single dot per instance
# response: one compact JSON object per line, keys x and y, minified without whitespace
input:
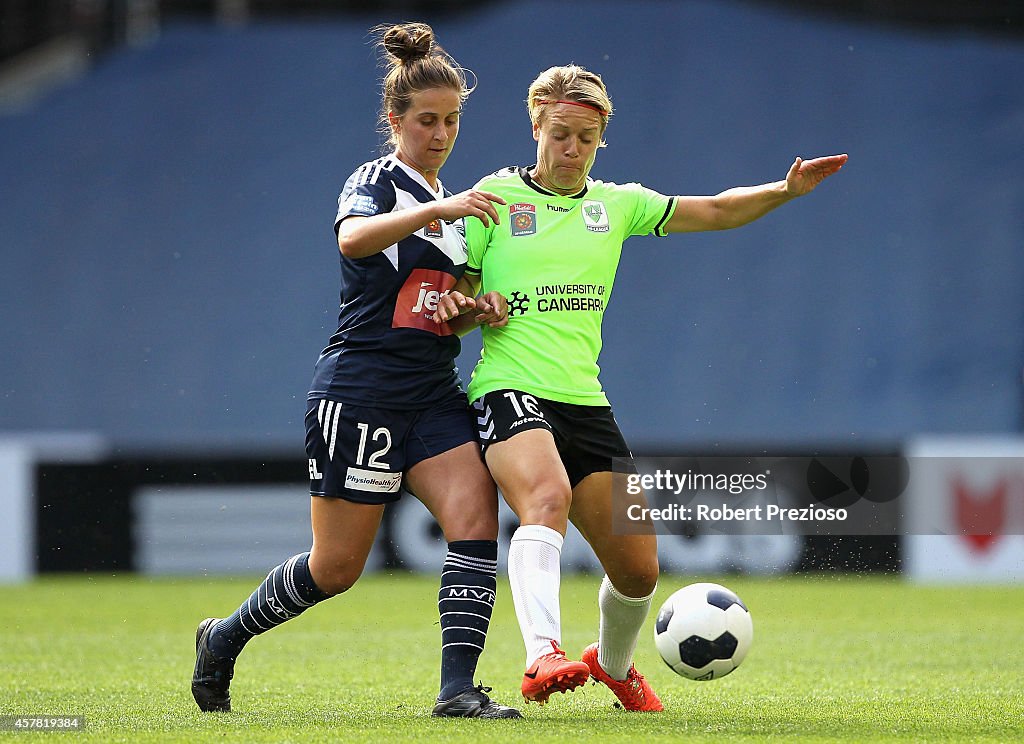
{"x":473,"y":703}
{"x":212,"y":676}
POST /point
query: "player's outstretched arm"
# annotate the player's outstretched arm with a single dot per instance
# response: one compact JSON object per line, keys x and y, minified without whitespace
{"x":359,"y":237}
{"x":744,"y":204}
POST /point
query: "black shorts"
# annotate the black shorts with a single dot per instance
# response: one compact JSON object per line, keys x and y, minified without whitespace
{"x":361,"y":453}
{"x":587,"y":437}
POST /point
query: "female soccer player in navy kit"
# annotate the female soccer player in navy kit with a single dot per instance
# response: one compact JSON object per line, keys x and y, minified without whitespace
{"x":386,"y":409}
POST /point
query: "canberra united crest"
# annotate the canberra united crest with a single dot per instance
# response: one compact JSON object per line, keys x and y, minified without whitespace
{"x":523,"y":219}
{"x":595,"y":216}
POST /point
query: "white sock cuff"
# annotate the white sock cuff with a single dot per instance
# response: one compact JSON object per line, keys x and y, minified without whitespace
{"x":539,"y":533}
{"x":606,"y":585}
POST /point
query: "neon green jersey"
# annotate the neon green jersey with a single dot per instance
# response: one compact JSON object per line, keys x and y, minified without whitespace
{"x":554,"y":258}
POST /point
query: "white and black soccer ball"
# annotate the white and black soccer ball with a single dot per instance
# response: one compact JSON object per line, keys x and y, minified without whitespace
{"x":703,"y":631}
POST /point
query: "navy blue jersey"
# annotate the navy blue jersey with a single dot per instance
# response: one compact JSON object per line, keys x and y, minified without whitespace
{"x":386,"y":351}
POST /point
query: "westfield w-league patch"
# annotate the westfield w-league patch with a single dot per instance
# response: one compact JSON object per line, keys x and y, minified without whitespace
{"x":523,"y":219}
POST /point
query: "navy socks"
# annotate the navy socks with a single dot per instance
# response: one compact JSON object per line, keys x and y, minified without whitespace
{"x":287,"y":591}
{"x":465,"y":601}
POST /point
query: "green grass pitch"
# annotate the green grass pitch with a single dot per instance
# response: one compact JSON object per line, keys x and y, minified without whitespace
{"x":834,"y":659}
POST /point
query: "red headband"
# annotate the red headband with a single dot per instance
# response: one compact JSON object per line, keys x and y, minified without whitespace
{"x":601,"y":111}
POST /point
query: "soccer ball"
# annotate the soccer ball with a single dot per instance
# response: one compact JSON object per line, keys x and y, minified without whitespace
{"x":703,"y":631}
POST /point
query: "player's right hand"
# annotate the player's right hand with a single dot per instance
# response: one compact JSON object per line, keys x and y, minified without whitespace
{"x":492,"y":309}
{"x":471,"y":203}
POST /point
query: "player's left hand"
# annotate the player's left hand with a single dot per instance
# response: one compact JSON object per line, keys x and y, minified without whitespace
{"x":805,"y":175}
{"x":492,"y":309}
{"x":452,"y":305}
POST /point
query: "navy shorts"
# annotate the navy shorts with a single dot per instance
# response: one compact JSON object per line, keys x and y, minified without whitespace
{"x":587,"y":437}
{"x":361,"y":453}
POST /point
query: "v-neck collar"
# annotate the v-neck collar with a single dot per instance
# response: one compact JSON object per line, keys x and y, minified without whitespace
{"x":524,"y":173}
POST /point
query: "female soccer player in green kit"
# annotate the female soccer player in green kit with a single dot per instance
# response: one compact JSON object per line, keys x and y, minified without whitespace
{"x":548,"y":432}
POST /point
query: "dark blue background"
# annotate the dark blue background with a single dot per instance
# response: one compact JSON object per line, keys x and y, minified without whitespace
{"x":168,"y":270}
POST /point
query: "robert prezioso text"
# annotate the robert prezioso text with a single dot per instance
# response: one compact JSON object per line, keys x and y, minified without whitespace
{"x":667,"y":481}
{"x":726,"y":513}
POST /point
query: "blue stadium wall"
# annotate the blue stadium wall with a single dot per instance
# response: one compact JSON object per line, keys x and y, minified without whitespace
{"x":168,"y":270}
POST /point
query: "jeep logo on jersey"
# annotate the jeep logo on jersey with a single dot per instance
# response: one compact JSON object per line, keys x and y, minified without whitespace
{"x":522,"y":219}
{"x":427,"y":298}
{"x":417,"y":300}
{"x":433,"y":229}
{"x":595,"y":217}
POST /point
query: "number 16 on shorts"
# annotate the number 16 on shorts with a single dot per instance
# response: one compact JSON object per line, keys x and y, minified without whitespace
{"x":502,"y":413}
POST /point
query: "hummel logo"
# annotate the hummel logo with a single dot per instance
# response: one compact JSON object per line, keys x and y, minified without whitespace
{"x":483,"y":421}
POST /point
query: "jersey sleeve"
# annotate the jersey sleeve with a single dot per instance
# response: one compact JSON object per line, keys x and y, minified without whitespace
{"x":362,"y":198}
{"x":477,"y":238}
{"x":651,"y":211}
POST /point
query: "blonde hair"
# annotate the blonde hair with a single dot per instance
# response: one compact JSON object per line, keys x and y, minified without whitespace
{"x":569,"y":83}
{"x":415,"y":62}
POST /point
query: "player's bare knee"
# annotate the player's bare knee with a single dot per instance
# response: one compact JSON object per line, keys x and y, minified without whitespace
{"x":548,"y":507}
{"x":470,"y":526}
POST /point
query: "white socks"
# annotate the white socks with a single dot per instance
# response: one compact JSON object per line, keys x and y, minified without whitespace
{"x":535,"y":574}
{"x":622,"y":618}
